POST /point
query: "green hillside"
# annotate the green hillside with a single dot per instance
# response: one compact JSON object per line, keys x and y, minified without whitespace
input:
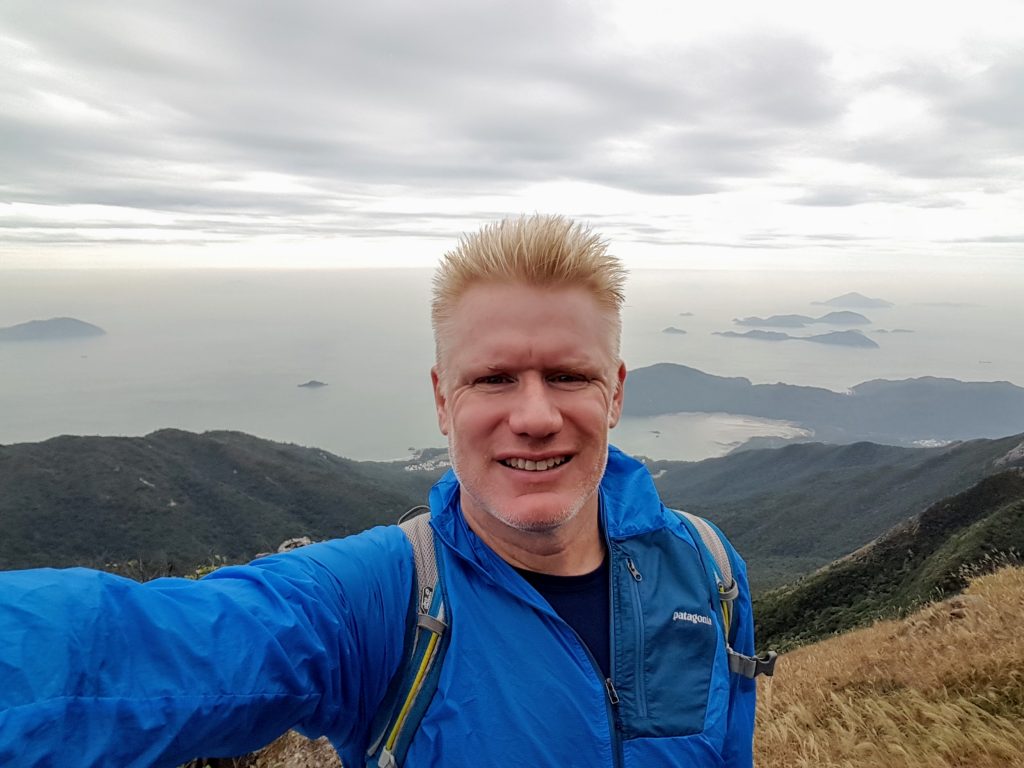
{"x":179,"y":498}
{"x":795,"y":509}
{"x":923,"y":559}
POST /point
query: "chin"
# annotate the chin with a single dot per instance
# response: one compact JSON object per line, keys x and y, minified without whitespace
{"x":547,"y":515}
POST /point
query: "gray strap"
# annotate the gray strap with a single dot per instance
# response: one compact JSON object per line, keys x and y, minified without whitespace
{"x":714,"y":544}
{"x":421,"y":536}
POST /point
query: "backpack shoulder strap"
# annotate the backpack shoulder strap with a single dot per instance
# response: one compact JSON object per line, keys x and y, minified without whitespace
{"x":426,"y":642}
{"x":728,"y":591}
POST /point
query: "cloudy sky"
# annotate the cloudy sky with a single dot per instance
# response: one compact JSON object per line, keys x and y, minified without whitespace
{"x":320,"y":133}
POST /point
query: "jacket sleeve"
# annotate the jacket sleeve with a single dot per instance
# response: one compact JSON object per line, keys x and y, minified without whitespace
{"x":100,"y":670}
{"x":738,"y":752}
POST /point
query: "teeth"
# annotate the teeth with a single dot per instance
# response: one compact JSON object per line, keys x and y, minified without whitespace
{"x":534,"y":466}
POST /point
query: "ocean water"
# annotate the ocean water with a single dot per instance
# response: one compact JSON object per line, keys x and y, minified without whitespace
{"x":202,"y":350}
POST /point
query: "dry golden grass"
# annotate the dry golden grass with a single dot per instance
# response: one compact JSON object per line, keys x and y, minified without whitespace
{"x":939,"y":689}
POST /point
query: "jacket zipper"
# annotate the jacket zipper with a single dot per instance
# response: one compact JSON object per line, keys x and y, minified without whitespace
{"x":638,"y":638}
{"x":612,"y":699}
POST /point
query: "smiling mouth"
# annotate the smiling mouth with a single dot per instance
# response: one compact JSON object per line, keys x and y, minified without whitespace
{"x":536,"y":466}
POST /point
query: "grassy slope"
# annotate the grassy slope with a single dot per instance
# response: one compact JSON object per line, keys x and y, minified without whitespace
{"x":941,"y":689}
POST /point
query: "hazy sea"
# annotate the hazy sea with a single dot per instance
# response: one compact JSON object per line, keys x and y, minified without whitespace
{"x":202,"y":350}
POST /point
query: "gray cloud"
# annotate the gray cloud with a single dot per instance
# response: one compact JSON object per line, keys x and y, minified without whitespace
{"x":977,"y":119}
{"x":833,"y":196}
{"x":170,"y":107}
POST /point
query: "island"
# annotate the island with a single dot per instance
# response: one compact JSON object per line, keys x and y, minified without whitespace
{"x":836,"y":338}
{"x":855,"y":300}
{"x":759,"y":335}
{"x":56,"y":328}
{"x":843,"y":339}
{"x":799,"y":321}
{"x":673,"y":329}
{"x":313,"y":384}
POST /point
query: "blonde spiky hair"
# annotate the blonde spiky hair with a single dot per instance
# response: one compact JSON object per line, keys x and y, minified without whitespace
{"x":538,"y":250}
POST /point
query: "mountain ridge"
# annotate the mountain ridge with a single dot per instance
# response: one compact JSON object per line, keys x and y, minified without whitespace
{"x":898,"y":412}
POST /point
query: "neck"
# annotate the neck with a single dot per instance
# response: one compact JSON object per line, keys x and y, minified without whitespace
{"x":571,"y":549}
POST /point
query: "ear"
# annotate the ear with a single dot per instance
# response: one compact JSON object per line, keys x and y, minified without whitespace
{"x":439,"y":401}
{"x":620,"y":386}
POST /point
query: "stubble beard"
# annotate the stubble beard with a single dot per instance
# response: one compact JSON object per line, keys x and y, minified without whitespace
{"x":549,"y":523}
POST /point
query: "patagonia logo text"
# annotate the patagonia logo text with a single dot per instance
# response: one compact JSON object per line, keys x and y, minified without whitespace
{"x":693,"y":618}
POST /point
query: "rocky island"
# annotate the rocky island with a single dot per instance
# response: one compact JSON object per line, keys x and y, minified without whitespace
{"x":56,"y":328}
{"x":855,"y":300}
{"x":836,"y":338}
{"x":799,"y":321}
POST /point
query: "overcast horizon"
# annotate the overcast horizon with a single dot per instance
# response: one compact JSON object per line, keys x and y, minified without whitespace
{"x":879,"y":136}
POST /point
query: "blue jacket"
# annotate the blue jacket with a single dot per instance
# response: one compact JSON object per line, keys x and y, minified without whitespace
{"x":100,"y":670}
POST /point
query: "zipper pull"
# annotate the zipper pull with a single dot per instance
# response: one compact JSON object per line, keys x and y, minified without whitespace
{"x":633,"y":569}
{"x":609,"y":687}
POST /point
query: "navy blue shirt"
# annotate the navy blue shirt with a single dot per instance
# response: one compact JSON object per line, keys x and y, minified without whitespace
{"x":582,"y":602}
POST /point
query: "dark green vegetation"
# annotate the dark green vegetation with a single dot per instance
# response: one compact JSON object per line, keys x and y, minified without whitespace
{"x":894,"y":412}
{"x":795,"y":509}
{"x":54,"y":328}
{"x":924,"y":559}
{"x":175,"y":499}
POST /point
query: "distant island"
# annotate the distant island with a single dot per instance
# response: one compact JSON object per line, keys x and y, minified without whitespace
{"x":894,"y":330}
{"x":673,"y":329}
{"x":55,"y":328}
{"x":855,"y":301}
{"x":799,"y":321}
{"x":843,"y":339}
{"x":759,"y":335}
{"x":903,"y":412}
{"x":836,"y":338}
{"x":313,"y":384}
{"x":686,"y":314}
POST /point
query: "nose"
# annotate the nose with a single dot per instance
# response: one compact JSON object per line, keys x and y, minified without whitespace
{"x":534,"y":412}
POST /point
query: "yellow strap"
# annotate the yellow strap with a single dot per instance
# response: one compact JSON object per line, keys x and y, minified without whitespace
{"x":416,"y":683}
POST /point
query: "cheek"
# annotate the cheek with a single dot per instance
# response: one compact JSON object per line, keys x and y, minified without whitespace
{"x":475,"y":414}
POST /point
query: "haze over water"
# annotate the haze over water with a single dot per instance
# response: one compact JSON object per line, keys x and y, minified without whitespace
{"x":202,"y":350}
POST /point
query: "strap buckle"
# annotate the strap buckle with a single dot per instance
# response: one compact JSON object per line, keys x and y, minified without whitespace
{"x":752,"y":666}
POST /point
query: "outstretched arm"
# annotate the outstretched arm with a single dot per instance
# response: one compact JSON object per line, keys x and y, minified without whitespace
{"x":100,"y":670}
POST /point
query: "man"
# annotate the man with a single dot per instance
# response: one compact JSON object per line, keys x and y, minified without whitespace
{"x":584,"y":624}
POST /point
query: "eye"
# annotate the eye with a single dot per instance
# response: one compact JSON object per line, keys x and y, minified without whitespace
{"x":568,"y":380}
{"x":492,"y":380}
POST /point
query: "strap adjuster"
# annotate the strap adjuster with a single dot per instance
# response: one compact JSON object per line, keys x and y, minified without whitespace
{"x":752,"y":666}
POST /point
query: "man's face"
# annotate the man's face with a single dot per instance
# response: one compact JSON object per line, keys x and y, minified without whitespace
{"x":529,"y":387}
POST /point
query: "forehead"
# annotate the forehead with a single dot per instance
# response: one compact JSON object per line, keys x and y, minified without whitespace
{"x":500,"y":320}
